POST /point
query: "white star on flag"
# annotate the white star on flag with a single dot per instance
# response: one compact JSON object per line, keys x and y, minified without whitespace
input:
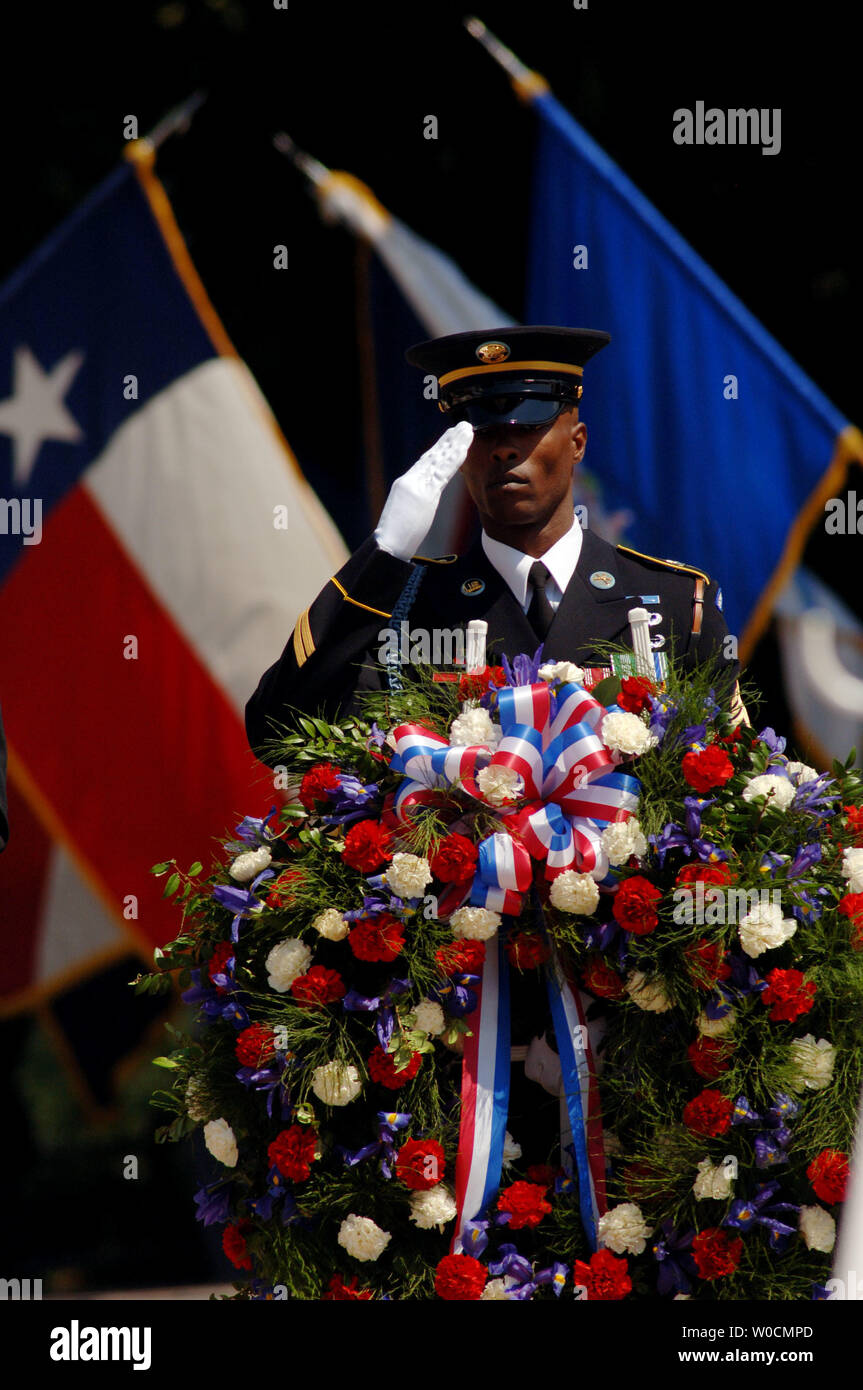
{"x":35,"y":410}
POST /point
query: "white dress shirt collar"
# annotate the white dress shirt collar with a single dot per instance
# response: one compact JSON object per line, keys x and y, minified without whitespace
{"x":514,"y":566}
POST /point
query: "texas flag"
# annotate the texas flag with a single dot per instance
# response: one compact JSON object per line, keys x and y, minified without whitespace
{"x":157,"y":542}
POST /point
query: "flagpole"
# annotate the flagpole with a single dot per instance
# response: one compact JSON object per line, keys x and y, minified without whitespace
{"x":527,"y":84}
{"x":176,"y":121}
{"x":375,"y":472}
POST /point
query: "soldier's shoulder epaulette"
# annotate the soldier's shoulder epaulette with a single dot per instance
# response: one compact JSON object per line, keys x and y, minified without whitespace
{"x":435,"y":559}
{"x":665,"y":564}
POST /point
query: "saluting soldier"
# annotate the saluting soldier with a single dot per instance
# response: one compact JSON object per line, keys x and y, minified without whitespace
{"x":534,"y":575}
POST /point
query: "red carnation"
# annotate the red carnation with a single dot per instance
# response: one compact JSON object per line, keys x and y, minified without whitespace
{"x":709,"y":1057}
{"x":461,"y":957}
{"x":475,"y":685}
{"x":420,"y":1164}
{"x":339,"y":1292}
{"x":634,"y":693}
{"x":234,"y":1244}
{"x":281,"y":892}
{"x":255,"y":1045}
{"x":720,"y":873}
{"x":367,"y":845}
{"x":377,"y":938}
{"x":527,"y":950}
{"x":318,"y":783}
{"x":789,"y":993}
{"x":854,"y":824}
{"x":711,"y":767}
{"x":601,"y":979}
{"x":828,"y":1174}
{"x":318,"y":986}
{"x":633,"y":905}
{"x":454,"y":860}
{"x":716,"y":1252}
{"x":382,"y":1069}
{"x":851,"y":906}
{"x":526,"y":1201}
{"x":218,"y":963}
{"x":606,"y":1277}
{"x":541,"y":1173}
{"x":707,"y":964}
{"x":708,"y":1113}
{"x":460,"y":1277}
{"x":293,"y":1152}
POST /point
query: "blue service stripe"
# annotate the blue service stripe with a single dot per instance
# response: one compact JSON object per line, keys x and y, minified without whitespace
{"x":502,"y":1064}
{"x":572,"y":1087}
{"x":689,"y":259}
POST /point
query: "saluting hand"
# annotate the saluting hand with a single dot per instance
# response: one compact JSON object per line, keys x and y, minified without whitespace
{"x":413,"y":501}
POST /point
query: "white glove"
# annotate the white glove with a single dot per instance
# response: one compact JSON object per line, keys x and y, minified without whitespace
{"x":410,"y":508}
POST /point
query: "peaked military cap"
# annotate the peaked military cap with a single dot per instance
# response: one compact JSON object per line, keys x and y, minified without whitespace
{"x":515,"y":375}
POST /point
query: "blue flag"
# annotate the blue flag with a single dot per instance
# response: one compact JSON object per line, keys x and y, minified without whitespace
{"x":699,"y":420}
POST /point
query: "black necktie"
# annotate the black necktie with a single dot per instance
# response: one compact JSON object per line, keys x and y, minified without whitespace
{"x":540,"y":612}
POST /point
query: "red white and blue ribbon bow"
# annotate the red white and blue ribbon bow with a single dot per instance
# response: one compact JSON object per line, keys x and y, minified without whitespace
{"x":570,"y":787}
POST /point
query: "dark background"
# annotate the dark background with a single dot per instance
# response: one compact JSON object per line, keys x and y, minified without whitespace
{"x":352,"y":85}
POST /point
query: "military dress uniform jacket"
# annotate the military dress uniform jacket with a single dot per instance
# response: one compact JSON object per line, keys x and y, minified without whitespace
{"x":334,"y":649}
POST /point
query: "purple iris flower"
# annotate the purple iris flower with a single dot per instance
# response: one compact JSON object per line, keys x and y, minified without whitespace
{"x":775,"y":1136}
{"x":254,"y":831}
{"x":773,"y":861}
{"x":241,"y":901}
{"x":695,"y":808}
{"x":709,"y":852}
{"x":811,"y":909}
{"x":523,"y":670}
{"x":675,"y":1262}
{"x":806,"y":856}
{"x":772,"y":739}
{"x":384,"y":1004}
{"x":762,"y":1210}
{"x":599,"y":936}
{"x":373,"y":906}
{"x":556,"y":1275}
{"x":377,"y":736}
{"x":663,"y":711}
{"x":214,"y":1204}
{"x":389,"y":1124}
{"x":456,"y":995}
{"x":350,"y":800}
{"x":670,"y":837}
{"x":512,"y":1264}
{"x":695,"y":734}
{"x":815,"y":798}
{"x":473,"y":1237}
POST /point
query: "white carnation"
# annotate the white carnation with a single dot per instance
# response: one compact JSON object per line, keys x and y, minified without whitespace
{"x":496,"y":1290}
{"x":573,"y":892}
{"x":800,"y":773}
{"x":408,"y":875}
{"x":778,"y":790}
{"x":474,"y":726}
{"x":362,"y":1237}
{"x":814,"y":1063}
{"x":563,"y":671}
{"x":624,"y":1229}
{"x":429,"y":1017}
{"x":285,"y":962}
{"x":499,"y":784}
{"x":474,"y":923}
{"x":219,"y":1139}
{"x":622,"y":839}
{"x":852,"y":869}
{"x":622,"y":732}
{"x":649,"y":995}
{"x":434,"y":1207}
{"x":249,"y":864}
{"x":714,"y":1181}
{"x":336,"y":1083}
{"x":715,"y":1027}
{"x":331,"y":924}
{"x":764,"y":928}
{"x":511,"y":1149}
{"x":197,"y":1101}
{"x":817,"y":1228}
